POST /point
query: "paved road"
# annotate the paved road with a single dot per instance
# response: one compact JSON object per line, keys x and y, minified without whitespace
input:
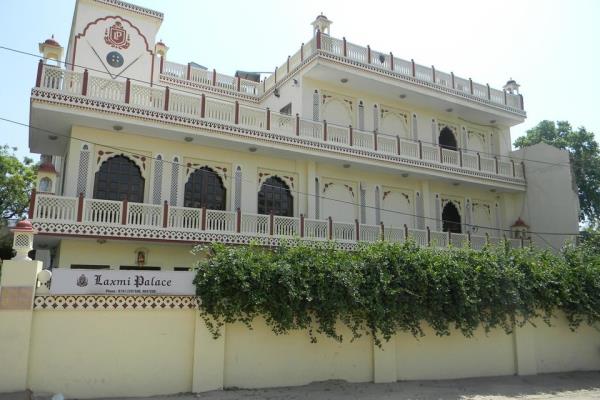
{"x":577,"y":386}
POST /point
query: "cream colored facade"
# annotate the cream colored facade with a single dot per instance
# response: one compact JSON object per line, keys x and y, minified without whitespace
{"x":366,"y":144}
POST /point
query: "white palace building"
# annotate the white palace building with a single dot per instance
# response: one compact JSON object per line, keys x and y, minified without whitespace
{"x":143,"y":156}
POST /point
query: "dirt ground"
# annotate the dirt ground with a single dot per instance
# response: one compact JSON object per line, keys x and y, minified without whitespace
{"x":582,"y":385}
{"x":578,"y":386}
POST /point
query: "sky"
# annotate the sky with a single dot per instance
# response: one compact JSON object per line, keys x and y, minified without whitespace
{"x":550,"y":47}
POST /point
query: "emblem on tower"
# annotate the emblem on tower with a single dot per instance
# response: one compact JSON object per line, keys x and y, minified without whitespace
{"x":116,"y":36}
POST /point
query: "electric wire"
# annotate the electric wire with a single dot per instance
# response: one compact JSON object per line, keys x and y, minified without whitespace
{"x":10,"y":49}
{"x":298,"y":192}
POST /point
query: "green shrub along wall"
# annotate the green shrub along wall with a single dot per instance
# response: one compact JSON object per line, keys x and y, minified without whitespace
{"x":384,"y":288}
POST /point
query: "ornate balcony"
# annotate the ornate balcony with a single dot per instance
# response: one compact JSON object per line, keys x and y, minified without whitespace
{"x":362,"y":57}
{"x":89,"y":92}
{"x":85,"y":217}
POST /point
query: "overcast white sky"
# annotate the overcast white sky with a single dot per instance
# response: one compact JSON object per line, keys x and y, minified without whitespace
{"x":552,"y":47}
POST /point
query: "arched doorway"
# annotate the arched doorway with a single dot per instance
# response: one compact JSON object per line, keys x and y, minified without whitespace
{"x":275,"y":196}
{"x":119,"y":178}
{"x":204,"y":188}
{"x":451,"y":221}
{"x":447,"y":139}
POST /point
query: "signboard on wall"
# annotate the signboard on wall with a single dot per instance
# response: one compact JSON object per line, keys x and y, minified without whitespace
{"x":74,"y":281}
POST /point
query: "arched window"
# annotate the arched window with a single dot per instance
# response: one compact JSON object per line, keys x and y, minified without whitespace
{"x":275,"y":196}
{"x":45,"y":185}
{"x":204,"y":188}
{"x":451,"y":219}
{"x":447,"y":139}
{"x":119,"y":178}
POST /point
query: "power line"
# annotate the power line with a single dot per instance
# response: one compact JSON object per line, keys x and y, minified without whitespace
{"x":196,"y":94}
{"x":127,"y":151}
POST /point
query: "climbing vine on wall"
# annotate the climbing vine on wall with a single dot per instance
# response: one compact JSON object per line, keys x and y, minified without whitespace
{"x":385,"y":288}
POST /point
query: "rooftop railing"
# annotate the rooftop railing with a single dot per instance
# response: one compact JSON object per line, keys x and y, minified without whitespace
{"x":359,"y":55}
{"x":46,"y":209}
{"x":233,"y":113}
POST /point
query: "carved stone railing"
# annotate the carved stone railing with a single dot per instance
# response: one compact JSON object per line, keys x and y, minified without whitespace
{"x":366,"y":57}
{"x":81,"y":216}
{"x":235,"y":114}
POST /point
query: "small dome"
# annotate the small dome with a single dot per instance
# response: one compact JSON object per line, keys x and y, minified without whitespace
{"x":52,"y":42}
{"x":321,"y":16}
{"x":519,"y":223}
{"x":24,"y":225}
{"x":47,"y":167}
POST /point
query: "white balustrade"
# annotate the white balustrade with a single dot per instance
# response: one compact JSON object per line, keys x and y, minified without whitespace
{"x":513,"y":100}
{"x":438,"y":239}
{"x":478,"y":242}
{"x":185,"y":218}
{"x":249,"y":87}
{"x":356,"y":52}
{"x":144,"y":215}
{"x":254,"y":224}
{"x":338,"y":134}
{"x":480,"y":90}
{"x":418,"y":235}
{"x":505,"y":168}
{"x":387,"y":144}
{"x":423,"y":73}
{"x":380,"y":60}
{"x":497,"y":96}
{"x":184,"y":104}
{"x":106,"y":89}
{"x":430,"y":152}
{"x":283,"y":123}
{"x":363,"y":139}
{"x":462,"y":85}
{"x":344,"y":231}
{"x":220,"y":110}
{"x":394,"y":235}
{"x":519,"y":171}
{"x":55,"y":208}
{"x":370,"y":233}
{"x":409,"y":148}
{"x":311,"y":129}
{"x":147,"y":97}
{"x":251,"y":117}
{"x":402,"y":66}
{"x":220,"y":221}
{"x":488,"y":164}
{"x":225,"y":81}
{"x":470,"y":160}
{"x":450,"y":157}
{"x":174,"y":70}
{"x":316,"y":229}
{"x":443,"y":79}
{"x":286,"y":226}
{"x":459,"y":239}
{"x":62,"y":79}
{"x":102,"y":212}
{"x":201,"y":76}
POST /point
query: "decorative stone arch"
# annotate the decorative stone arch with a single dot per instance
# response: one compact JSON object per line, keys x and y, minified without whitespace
{"x":223,"y":171}
{"x":482,"y":216}
{"x":337,"y":109}
{"x":136,"y":185}
{"x":339,"y":200}
{"x":451,"y":218}
{"x":448,"y":136}
{"x":398,"y":207}
{"x":204,"y":187}
{"x":478,"y":141}
{"x":290,"y":179}
{"x":140,"y":160}
{"x":394,"y":122}
{"x":275,"y":196}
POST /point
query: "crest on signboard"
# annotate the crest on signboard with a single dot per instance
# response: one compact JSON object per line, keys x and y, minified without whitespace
{"x":82,"y":281}
{"x":116,"y":36}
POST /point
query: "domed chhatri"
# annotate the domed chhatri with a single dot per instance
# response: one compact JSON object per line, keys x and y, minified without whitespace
{"x":23,"y":226}
{"x":51,"y":49}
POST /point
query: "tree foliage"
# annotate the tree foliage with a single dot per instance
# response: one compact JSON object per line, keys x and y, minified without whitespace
{"x":385,"y":288}
{"x":16,"y":181}
{"x":585,"y":159}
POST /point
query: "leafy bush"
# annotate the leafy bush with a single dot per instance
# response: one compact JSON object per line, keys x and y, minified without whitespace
{"x":384,"y":288}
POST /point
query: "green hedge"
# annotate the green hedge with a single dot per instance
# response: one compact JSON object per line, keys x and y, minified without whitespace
{"x":384,"y":288}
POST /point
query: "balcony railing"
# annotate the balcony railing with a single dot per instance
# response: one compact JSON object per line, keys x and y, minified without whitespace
{"x":364,"y":56}
{"x":235,"y":114}
{"x":142,"y":221}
